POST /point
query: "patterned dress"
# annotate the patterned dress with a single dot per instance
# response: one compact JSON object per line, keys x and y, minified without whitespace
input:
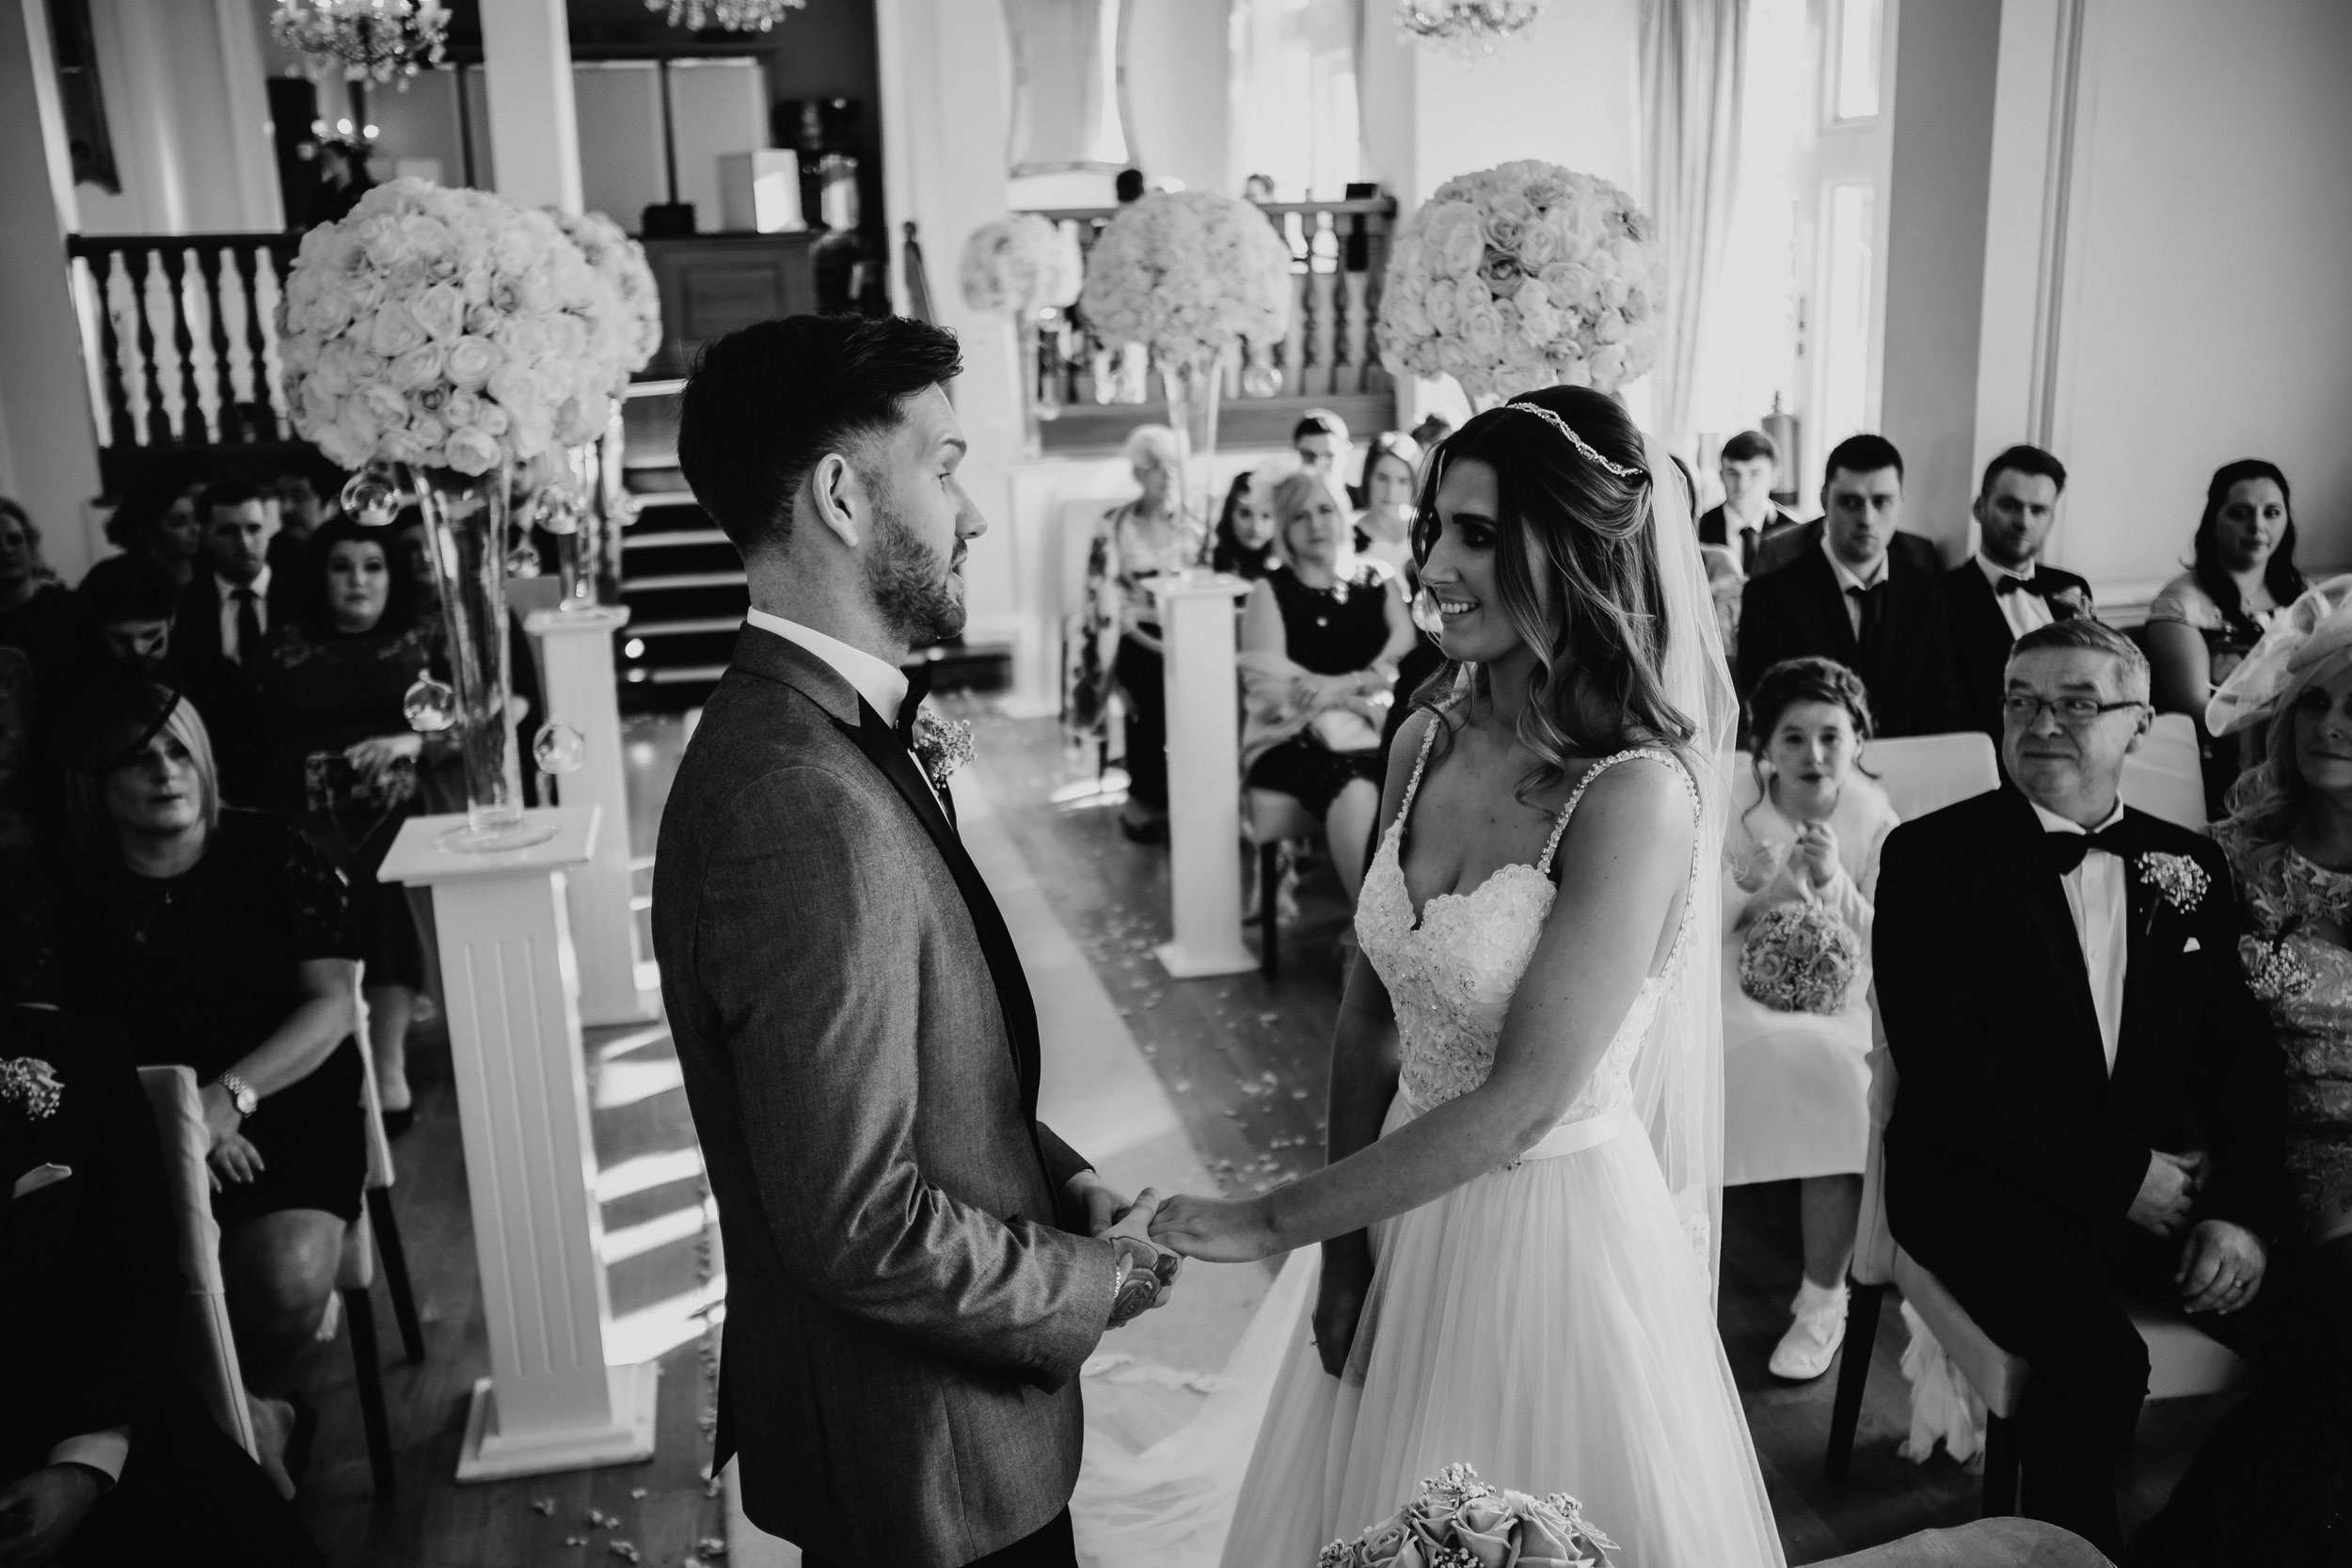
{"x":2298,"y":963}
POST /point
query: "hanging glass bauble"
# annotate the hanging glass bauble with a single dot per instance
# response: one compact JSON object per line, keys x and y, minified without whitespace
{"x":429,"y":706}
{"x":558,"y":748}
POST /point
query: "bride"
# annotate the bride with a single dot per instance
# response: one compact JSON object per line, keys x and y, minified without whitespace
{"x":1517,"y":1218}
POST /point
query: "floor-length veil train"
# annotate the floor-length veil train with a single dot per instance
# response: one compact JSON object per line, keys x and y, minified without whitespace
{"x":1614,"y":1327}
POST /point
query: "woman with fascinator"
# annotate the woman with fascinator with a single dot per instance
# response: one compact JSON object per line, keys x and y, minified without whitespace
{"x":1516,"y":1222}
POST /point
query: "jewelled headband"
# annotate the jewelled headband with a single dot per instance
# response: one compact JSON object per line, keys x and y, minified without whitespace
{"x":1583,"y":448}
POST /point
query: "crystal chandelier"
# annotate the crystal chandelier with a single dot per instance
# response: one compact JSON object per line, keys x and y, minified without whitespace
{"x":372,"y":40}
{"x":1466,"y":29}
{"x":729,"y":16}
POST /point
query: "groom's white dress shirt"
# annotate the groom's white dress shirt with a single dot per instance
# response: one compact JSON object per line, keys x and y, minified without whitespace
{"x":882,"y":684}
{"x":2096,"y":897}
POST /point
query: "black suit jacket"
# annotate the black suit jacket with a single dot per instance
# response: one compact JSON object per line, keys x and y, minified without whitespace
{"x":1800,"y":610}
{"x":1714,"y":529}
{"x":2005,"y":1100}
{"x":1981,"y":638}
{"x":1787,"y":545}
{"x":195,"y":625}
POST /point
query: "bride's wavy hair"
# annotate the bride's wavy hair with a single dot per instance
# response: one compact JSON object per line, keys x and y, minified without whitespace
{"x":1577,"y":566}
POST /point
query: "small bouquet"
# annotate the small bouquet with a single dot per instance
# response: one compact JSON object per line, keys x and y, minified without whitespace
{"x":1457,"y":1521}
{"x":30,"y":1088}
{"x":1800,"y":957}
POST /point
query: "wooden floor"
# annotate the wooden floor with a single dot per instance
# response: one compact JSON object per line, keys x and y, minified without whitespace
{"x":1244,"y":1064}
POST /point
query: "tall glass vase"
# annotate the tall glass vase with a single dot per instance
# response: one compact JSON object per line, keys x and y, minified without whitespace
{"x":466,"y":520}
{"x":1193,"y":384}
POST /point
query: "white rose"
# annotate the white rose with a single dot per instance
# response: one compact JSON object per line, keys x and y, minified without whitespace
{"x":419,"y":367}
{"x":393,"y":331}
{"x":1608,"y":368}
{"x":320,"y":408}
{"x":427,"y":429}
{"x":332,"y":374}
{"x":1452,"y":357}
{"x":1483,"y":331}
{"x":440,"y":310}
{"x":387,"y":408}
{"x":1456,"y":238}
{"x":1441,"y":304}
{"x":299,"y":353}
{"x":491,"y":419}
{"x":1609,"y":327}
{"x":363,"y":293}
{"x":472,"y":359}
{"x":382,"y":240}
{"x":515,"y":385}
{"x":1539,"y":247}
{"x":471,"y":450}
{"x":1569,"y":284}
{"x":462,"y":409}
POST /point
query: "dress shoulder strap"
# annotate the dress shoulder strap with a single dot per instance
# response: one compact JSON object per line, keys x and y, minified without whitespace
{"x":1653,"y":754}
{"x":1412,"y":787}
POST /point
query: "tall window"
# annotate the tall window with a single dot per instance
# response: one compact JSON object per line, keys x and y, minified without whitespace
{"x":1292,"y":113}
{"x":1855,"y":65}
{"x":1844,"y":318}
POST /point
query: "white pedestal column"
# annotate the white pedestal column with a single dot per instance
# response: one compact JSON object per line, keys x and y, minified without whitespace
{"x":1203,"y":776}
{"x":550,"y":1402}
{"x":575,"y":652}
{"x":534,"y":130}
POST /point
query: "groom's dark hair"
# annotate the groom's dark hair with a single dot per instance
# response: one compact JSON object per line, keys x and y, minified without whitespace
{"x":766,"y":402}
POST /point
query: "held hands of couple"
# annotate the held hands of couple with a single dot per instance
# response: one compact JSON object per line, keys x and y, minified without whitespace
{"x":1216,"y":1229}
{"x":1147,"y":1273}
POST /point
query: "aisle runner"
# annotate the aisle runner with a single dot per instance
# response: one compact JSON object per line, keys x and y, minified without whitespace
{"x":1099,"y":1094}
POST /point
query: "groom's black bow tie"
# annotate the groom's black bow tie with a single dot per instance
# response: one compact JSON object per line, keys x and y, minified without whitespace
{"x":2063,"y":851}
{"x":919,"y":687}
{"x":2021,"y":585}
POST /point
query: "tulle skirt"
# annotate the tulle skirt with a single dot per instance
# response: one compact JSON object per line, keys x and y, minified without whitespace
{"x":1546,"y":1324}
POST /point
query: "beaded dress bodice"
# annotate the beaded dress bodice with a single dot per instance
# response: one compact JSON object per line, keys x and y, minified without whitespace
{"x":1451,"y":974}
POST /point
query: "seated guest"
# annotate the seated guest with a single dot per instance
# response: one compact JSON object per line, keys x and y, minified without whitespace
{"x":1750,"y":465}
{"x":1855,"y":598}
{"x":2242,"y":573}
{"x":1244,"y":533}
{"x":37,"y":613}
{"x":215,"y":937}
{"x":1383,"y":530}
{"x":345,"y":763}
{"x":133,"y":604}
{"x":1320,"y":641}
{"x":104,"y":1457}
{"x":1138,"y":543}
{"x":1796,"y":1070}
{"x":2090,"y":1102}
{"x":303,"y":497}
{"x":1320,"y":440}
{"x":2003,"y":591}
{"x":157,"y":517}
{"x":231,"y":609}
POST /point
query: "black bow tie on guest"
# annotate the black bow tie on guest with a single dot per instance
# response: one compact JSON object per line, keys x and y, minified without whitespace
{"x":2063,"y":851}
{"x":2022,"y":585}
{"x":919,"y":687}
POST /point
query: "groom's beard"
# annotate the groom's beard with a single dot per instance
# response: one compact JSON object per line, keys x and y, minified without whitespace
{"x":917,"y":594}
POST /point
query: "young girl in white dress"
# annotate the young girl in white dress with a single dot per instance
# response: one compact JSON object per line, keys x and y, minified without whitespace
{"x":1517,"y":1218}
{"x":1806,"y":828}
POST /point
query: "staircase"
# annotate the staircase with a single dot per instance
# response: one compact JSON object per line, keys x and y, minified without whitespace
{"x":683,"y":581}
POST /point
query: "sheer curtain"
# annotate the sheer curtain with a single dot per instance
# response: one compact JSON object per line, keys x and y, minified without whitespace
{"x":1292,"y":110}
{"x":1694,"y":72}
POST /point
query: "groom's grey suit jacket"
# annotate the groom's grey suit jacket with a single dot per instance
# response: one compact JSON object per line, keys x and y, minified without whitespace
{"x":905,"y":1321}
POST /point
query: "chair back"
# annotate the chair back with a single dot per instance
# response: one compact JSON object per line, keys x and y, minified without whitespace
{"x":207,"y":1351}
{"x":1922,"y":773}
{"x":2164,"y":777}
{"x":380,"y":1173}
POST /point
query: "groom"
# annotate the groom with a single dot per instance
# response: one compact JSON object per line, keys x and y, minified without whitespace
{"x":917,"y":1267}
{"x":2089,"y":1105}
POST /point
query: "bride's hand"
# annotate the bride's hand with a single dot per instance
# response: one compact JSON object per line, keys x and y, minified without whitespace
{"x":1214,"y":1230}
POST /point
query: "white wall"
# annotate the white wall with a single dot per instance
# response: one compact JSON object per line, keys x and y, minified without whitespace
{"x":2165,"y":267}
{"x":1176,"y":91}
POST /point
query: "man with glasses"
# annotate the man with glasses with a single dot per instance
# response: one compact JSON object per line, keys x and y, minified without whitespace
{"x":2089,"y":1103}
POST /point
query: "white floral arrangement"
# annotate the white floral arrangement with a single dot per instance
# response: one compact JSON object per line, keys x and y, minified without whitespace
{"x":2179,"y":881}
{"x":445,"y":328}
{"x":1800,"y":957}
{"x":1457,"y":1521}
{"x":1522,"y":275}
{"x":1019,"y":265}
{"x":30,"y":1086}
{"x":620,"y":261}
{"x":1186,"y":273}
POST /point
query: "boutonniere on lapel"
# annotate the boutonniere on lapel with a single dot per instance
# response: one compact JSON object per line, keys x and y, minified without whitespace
{"x":942,"y":746}
{"x":29,"y":1086}
{"x":2177,"y":880}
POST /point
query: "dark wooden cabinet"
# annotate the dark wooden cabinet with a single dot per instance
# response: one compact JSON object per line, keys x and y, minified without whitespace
{"x":713,"y":283}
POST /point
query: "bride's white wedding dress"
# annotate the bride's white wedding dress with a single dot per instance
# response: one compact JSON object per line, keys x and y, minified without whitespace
{"x":1549,"y":1324}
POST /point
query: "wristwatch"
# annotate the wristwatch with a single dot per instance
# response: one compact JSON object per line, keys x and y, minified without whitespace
{"x":241,"y":1094}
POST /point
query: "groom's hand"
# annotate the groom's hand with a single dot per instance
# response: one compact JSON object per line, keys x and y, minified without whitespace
{"x":1097,"y":1203}
{"x":2166,"y":1193}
